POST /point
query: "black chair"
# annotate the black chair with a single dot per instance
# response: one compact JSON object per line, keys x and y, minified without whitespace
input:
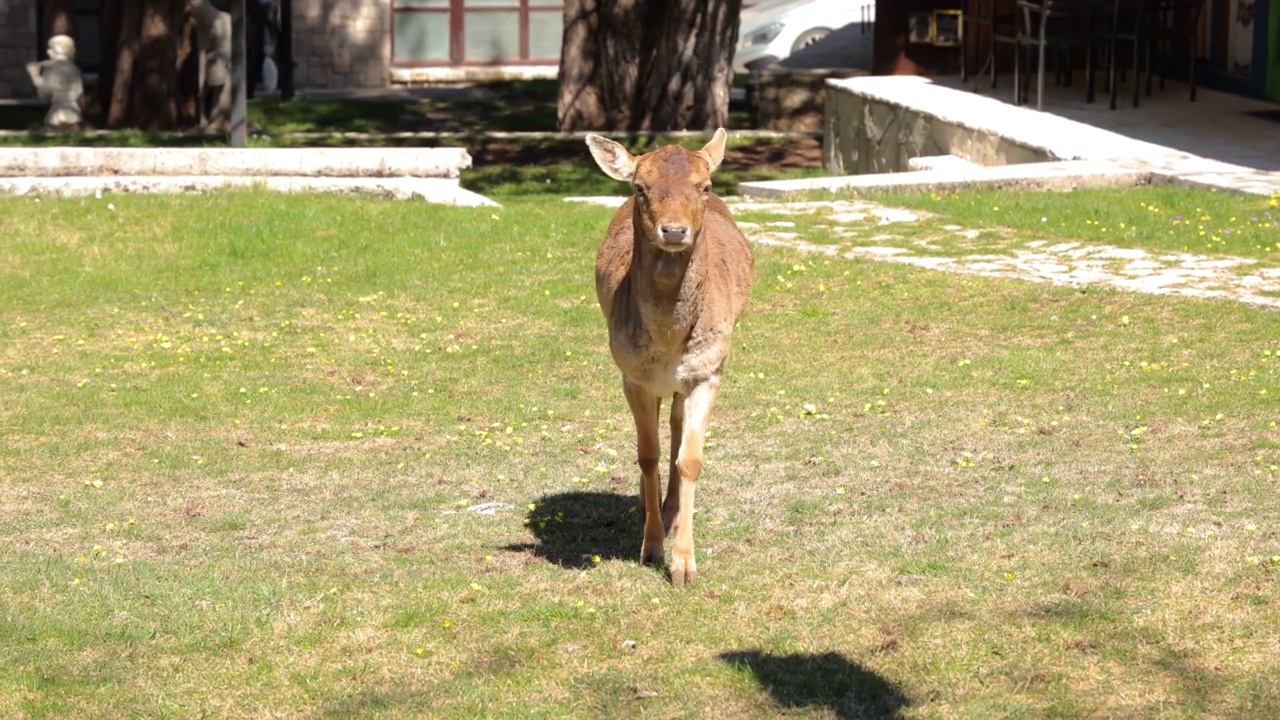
{"x":991,"y":20}
{"x":1124,"y":27}
{"x":1063,"y":26}
{"x":1161,"y":23}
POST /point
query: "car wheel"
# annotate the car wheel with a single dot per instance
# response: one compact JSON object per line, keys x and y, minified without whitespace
{"x":808,"y":38}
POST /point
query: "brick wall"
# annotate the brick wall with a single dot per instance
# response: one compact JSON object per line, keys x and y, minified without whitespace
{"x":17,"y":47}
{"x":341,"y":44}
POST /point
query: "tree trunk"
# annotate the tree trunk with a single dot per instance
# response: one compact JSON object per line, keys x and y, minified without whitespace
{"x":647,"y":65}
{"x":149,"y":69}
{"x":598,"y":64}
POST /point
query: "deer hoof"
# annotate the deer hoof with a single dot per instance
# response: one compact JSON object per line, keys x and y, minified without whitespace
{"x":683,"y":569}
{"x":651,"y":556}
{"x":682,"y":577}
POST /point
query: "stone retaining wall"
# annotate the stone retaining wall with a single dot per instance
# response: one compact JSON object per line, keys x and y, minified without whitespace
{"x":403,"y":173}
{"x":865,"y":133}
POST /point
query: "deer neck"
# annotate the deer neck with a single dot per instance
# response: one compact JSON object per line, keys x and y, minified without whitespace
{"x":663,"y":277}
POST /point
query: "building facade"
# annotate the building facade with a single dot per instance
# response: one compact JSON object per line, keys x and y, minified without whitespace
{"x":1238,"y":43}
{"x":353,"y":44}
{"x":344,"y":44}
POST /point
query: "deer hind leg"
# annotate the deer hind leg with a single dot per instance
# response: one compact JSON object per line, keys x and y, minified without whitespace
{"x":671,"y":505}
{"x":644,"y":409}
{"x":697,"y":411}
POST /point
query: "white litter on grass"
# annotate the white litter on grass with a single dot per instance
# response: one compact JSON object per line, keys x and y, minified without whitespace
{"x":488,"y":508}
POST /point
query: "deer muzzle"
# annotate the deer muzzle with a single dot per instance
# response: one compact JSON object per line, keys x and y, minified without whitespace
{"x":674,"y":236}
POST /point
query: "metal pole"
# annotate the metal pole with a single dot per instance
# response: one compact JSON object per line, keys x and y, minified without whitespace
{"x":284,"y":49}
{"x":239,"y":91}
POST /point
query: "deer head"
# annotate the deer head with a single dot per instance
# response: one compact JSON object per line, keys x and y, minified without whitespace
{"x":670,"y":185}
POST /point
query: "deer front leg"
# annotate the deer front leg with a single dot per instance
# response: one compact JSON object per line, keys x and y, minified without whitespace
{"x":697,"y":411}
{"x":671,"y":505}
{"x":644,"y":409}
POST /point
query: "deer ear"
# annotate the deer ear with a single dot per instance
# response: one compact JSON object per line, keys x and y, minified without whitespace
{"x":612,"y":158}
{"x":713,"y":151}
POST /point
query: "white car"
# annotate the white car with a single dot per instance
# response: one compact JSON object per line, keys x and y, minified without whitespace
{"x":772,"y":30}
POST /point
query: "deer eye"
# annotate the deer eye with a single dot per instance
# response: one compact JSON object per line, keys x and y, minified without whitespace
{"x":641,"y":195}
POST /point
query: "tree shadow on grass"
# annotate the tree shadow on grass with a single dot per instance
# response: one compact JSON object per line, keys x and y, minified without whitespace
{"x":572,"y":529}
{"x":827,"y":681}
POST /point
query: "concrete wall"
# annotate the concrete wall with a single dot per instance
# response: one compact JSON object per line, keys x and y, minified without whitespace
{"x":866,"y":134}
{"x":18,"y":35}
{"x":342,"y":44}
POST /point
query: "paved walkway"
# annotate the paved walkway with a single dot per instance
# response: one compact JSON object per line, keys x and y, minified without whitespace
{"x":1218,"y":126}
{"x":1221,"y":140}
{"x":1060,"y":263}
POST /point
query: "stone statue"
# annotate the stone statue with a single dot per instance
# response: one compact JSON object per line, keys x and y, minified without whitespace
{"x":59,"y":81}
{"x":213,"y":39}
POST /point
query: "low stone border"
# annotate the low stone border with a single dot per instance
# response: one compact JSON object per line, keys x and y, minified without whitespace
{"x":302,"y":162}
{"x":436,"y":190}
{"x":430,"y":173}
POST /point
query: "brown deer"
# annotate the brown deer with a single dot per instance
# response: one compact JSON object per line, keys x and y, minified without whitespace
{"x":672,"y":276}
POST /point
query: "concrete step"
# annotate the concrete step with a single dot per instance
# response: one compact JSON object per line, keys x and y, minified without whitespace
{"x":445,"y":191}
{"x":234,"y":162}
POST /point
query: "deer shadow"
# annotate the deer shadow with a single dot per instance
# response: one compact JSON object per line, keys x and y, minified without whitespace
{"x":578,"y":529}
{"x":828,"y":681}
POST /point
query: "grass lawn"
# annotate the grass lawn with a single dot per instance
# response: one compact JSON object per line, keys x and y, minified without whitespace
{"x":247,"y":436}
{"x":1158,"y":217}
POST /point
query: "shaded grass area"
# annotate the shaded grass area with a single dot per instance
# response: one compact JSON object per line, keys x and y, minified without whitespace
{"x":516,"y":166}
{"x":243,"y":431}
{"x":516,"y":105}
{"x":501,"y":166}
{"x":505,"y":106}
{"x":510,"y":106}
{"x":563,"y":166}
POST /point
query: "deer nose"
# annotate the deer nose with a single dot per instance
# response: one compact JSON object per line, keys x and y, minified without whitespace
{"x":674,"y":234}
